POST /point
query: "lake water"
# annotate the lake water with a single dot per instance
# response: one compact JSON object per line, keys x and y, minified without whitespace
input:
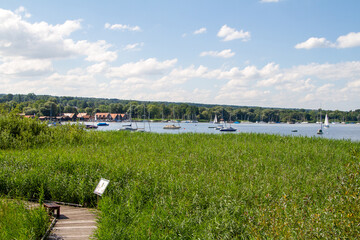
{"x":335,"y":131}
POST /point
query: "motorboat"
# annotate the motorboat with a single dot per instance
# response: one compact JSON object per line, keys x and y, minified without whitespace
{"x":228,"y":129}
{"x":102,"y":124}
{"x":172,"y":126}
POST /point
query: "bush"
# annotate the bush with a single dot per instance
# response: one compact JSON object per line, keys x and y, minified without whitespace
{"x":17,"y":132}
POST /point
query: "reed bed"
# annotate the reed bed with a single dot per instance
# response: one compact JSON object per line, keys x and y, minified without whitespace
{"x":18,"y":221}
{"x":198,"y":186}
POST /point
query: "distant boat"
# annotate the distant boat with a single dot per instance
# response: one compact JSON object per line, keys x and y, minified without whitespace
{"x":128,"y":127}
{"x":326,"y":123}
{"x":228,"y":129}
{"x":320,"y":131}
{"x":172,"y":126}
{"x":102,"y":124}
{"x":216,"y":120}
{"x":91,"y":126}
{"x":219,"y":127}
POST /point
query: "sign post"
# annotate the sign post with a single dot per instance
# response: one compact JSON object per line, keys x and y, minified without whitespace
{"x":100,"y":188}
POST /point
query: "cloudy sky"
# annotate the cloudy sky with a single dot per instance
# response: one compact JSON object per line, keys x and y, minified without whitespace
{"x":269,"y":53}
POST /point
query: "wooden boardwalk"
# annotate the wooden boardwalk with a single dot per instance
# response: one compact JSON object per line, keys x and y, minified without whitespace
{"x":74,"y":223}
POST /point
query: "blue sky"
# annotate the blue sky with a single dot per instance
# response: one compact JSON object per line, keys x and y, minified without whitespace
{"x":268,"y":53}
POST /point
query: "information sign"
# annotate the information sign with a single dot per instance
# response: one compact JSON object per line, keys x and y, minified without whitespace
{"x":100,"y":188}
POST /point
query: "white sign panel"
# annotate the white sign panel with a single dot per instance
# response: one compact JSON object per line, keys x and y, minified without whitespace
{"x":100,"y":188}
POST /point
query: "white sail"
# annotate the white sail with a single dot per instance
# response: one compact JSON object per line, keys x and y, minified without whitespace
{"x":326,"y":123}
{"x":215,"y":120}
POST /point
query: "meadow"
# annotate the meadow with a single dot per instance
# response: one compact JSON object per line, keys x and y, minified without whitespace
{"x":192,"y":186}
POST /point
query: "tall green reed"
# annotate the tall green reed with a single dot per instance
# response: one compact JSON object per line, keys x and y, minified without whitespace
{"x":228,"y":186}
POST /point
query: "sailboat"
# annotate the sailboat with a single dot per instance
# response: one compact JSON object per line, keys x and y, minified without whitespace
{"x":144,"y":121}
{"x":128,"y":127}
{"x":214,"y":122}
{"x":320,"y":131}
{"x":228,"y":129}
{"x":326,"y":123}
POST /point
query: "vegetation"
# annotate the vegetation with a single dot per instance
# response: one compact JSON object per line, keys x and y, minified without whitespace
{"x":43,"y":105}
{"x":197,"y":186}
{"x":17,"y":221}
{"x":20,"y":133}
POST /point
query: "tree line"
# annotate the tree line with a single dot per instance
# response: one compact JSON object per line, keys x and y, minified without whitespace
{"x":46,"y":105}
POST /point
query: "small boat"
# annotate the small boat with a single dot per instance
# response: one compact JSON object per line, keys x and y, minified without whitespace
{"x":214,"y":122}
{"x":91,"y":126}
{"x":228,"y":129}
{"x":320,"y":131}
{"x":127,"y":128}
{"x":102,"y":124}
{"x":219,"y":127}
{"x":294,"y":130}
{"x":172,"y":126}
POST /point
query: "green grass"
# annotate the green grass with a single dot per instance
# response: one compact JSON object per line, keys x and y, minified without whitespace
{"x":19,"y":222}
{"x":198,"y":186}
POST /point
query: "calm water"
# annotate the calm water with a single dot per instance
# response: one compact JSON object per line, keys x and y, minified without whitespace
{"x":335,"y":131}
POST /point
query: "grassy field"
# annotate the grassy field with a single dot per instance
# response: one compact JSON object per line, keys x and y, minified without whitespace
{"x":196,"y":186}
{"x":19,"y":222}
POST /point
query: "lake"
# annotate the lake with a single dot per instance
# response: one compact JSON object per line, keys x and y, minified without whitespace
{"x":335,"y":131}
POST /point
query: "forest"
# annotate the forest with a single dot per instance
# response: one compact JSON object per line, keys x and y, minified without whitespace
{"x":46,"y":105}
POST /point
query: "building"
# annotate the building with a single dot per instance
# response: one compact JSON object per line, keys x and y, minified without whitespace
{"x":69,"y":117}
{"x":83,"y":117}
{"x":102,"y":117}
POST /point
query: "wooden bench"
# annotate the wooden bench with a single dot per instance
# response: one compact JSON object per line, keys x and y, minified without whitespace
{"x":51,"y":207}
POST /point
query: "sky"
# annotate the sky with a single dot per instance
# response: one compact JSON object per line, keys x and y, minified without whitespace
{"x":266,"y":53}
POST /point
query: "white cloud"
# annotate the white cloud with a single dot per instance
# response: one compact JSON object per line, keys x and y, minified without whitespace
{"x":354,"y":84}
{"x":227,"y":53}
{"x":180,"y":76}
{"x":134,"y":47}
{"x":302,"y":86}
{"x":314,"y":43}
{"x":122,"y":27}
{"x":350,"y":40}
{"x":346,"y":41}
{"x":143,"y":67}
{"x":229,"y":34}
{"x":97,"y":68}
{"x":95,"y":52}
{"x":200,"y":31}
{"x":22,"y":66}
{"x":22,"y":10}
{"x":40,"y":40}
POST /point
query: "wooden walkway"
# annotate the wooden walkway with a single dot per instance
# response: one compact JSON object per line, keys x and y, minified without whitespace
{"x":74,"y":223}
